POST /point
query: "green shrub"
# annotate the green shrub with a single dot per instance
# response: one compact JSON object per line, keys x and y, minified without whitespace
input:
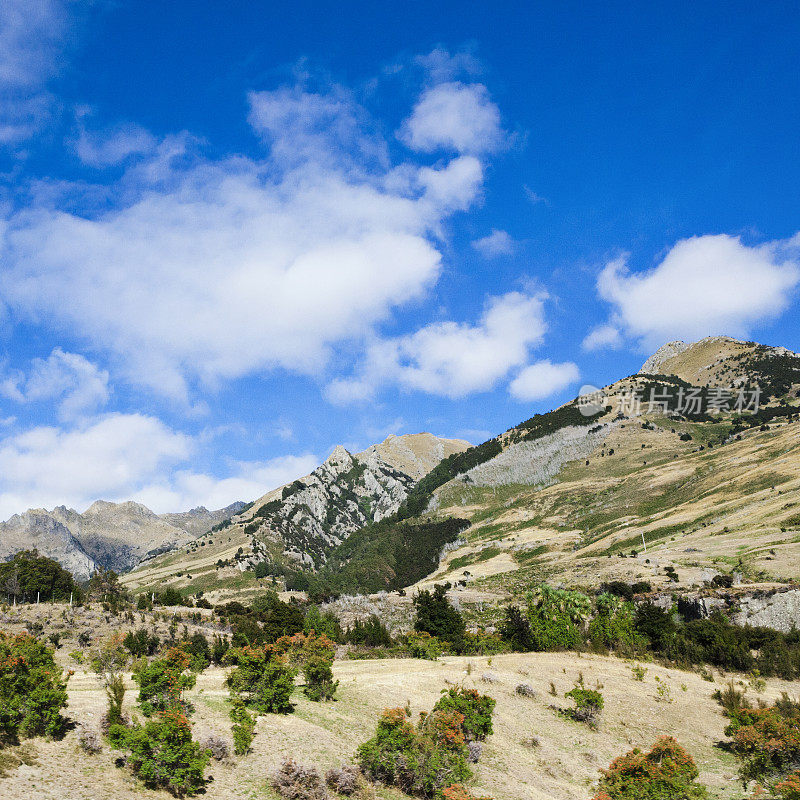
{"x":319,"y":683}
{"x":261,"y":679}
{"x":243,"y":727}
{"x":162,"y":681}
{"x":588,"y":703}
{"x":555,"y":616}
{"x":419,"y":759}
{"x":163,"y":754}
{"x":614,"y":625}
{"x":476,"y":708}
{"x":141,"y":643}
{"x":32,"y":689}
{"x":767,"y":741}
{"x":423,"y":645}
{"x":667,"y":772}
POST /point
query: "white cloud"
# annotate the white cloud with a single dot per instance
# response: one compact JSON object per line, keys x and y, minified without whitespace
{"x":192,"y":269}
{"x":449,"y":358}
{"x":186,"y":489}
{"x":456,"y":117}
{"x":108,"y":458}
{"x":497,"y":243}
{"x":706,"y":285}
{"x":126,"y":456}
{"x":602,"y":337}
{"x":31,"y":36}
{"x":114,"y":146}
{"x":543,"y":379}
{"x":78,"y":385}
{"x":442,"y":65}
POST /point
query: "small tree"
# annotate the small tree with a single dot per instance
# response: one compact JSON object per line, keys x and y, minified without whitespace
{"x":109,"y":660}
{"x":436,"y":616}
{"x":262,"y":679}
{"x":32,"y":689}
{"x":163,"y":754}
{"x":162,"y":682}
{"x":318,"y":675}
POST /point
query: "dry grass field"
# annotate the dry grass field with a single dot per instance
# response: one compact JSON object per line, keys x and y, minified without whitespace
{"x":564,"y":763}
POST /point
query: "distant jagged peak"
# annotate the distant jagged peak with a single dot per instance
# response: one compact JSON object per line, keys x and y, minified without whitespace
{"x":414,"y":454}
{"x":127,"y":507}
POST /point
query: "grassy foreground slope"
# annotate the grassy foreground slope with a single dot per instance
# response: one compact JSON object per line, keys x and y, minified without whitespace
{"x":564,"y":764}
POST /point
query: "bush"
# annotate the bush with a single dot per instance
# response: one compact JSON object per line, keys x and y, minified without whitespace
{"x":525,"y":690}
{"x":667,"y":772}
{"x":458,"y":791}
{"x":262,"y":680}
{"x":319,"y":679}
{"x":296,"y":782}
{"x":419,"y":759}
{"x":32,"y":689}
{"x":345,"y":780}
{"x":613,"y":626}
{"x":243,"y":728}
{"x":162,"y":753}
{"x":475,"y":708}
{"x":588,"y":704}
{"x":555,"y":616}
{"x":141,"y":643}
{"x":767,"y":741}
{"x":162,"y":681}
{"x":423,"y":645}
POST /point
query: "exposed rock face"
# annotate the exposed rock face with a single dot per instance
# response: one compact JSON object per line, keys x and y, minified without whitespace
{"x":112,"y":535}
{"x":40,"y":530}
{"x":538,"y":462}
{"x":343,"y":494}
{"x":654,"y":364}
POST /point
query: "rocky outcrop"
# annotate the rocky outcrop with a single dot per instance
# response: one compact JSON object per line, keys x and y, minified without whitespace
{"x":654,"y":364}
{"x":315,"y":513}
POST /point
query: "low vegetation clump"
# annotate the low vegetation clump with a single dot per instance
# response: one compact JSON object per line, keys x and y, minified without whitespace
{"x":293,"y":781}
{"x":419,"y":759}
{"x":422,"y":645}
{"x":767,"y":742}
{"x":344,"y":780}
{"x":475,"y":708}
{"x":32,"y":689}
{"x":666,"y":772}
{"x":588,"y":704}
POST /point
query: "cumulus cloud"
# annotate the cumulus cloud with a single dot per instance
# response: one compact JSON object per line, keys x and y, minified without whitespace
{"x":454,"y":117}
{"x":250,"y":479}
{"x":602,"y":337}
{"x":31,"y":36}
{"x":75,"y":383}
{"x":449,"y":358}
{"x":497,"y":243}
{"x":198,"y":269}
{"x":706,"y":285}
{"x":114,"y":146}
{"x":107,"y":458}
{"x":543,"y":379}
{"x":126,"y":456}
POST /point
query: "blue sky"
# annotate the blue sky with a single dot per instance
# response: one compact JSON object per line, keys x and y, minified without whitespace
{"x":234,"y":235}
